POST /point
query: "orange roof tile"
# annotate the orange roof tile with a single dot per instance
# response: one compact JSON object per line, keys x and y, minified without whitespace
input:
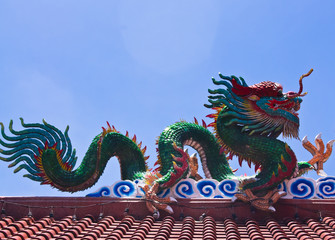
{"x":105,"y":218}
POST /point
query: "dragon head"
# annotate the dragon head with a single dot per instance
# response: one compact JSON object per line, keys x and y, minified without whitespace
{"x":261,"y":109}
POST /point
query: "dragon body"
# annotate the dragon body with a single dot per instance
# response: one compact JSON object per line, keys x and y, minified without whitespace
{"x":247,"y":122}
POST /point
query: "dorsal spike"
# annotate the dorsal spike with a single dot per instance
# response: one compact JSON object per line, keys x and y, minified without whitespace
{"x":158,"y":169}
{"x":134,"y":138}
{"x":213,"y":115}
{"x":109,"y":126}
{"x":218,"y":109}
{"x":196,"y":121}
{"x":104,"y":131}
{"x":221,"y":150}
{"x":144,"y":150}
{"x":158,"y":162}
{"x":204,"y":124}
{"x":127,"y":134}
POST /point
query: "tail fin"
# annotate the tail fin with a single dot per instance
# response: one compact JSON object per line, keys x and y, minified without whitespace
{"x":25,"y":146}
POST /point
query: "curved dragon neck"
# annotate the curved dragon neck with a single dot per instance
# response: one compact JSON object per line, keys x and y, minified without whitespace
{"x":274,"y":157}
{"x":202,"y":140}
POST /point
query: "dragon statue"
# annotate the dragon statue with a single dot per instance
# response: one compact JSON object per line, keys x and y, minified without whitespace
{"x":247,"y":122}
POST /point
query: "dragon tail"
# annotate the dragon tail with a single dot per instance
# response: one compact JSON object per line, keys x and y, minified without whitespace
{"x":47,"y":155}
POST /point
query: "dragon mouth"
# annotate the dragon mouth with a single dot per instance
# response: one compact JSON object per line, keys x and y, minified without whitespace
{"x":286,"y":105}
{"x":292,"y":107}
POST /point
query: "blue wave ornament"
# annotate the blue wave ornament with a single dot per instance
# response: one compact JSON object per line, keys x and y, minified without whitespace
{"x":102,"y":192}
{"x":302,"y":188}
{"x":326,"y":187}
{"x":184,"y":189}
{"x":228,"y":188}
{"x":124,"y":189}
{"x":206,"y":188}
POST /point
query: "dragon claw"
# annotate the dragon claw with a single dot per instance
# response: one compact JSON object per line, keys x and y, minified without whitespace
{"x":234,"y":198}
{"x":155,"y":203}
{"x":169,"y":209}
{"x":318,"y":136}
{"x":263,"y":203}
{"x":331,"y":142}
{"x":322,"y":173}
{"x":320,"y":155}
{"x":271,"y":209}
{"x":193,"y":165}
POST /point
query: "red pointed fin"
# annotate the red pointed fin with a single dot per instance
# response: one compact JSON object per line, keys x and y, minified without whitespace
{"x":109,"y":126}
{"x":211,"y":124}
{"x":213,"y":115}
{"x":144,"y":150}
{"x":196,"y":121}
{"x":204,"y":124}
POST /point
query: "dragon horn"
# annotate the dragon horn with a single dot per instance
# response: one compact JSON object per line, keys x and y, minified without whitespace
{"x":301,"y":86}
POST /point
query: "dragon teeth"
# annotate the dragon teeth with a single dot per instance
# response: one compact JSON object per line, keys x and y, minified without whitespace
{"x":249,"y":163}
{"x":240,"y":161}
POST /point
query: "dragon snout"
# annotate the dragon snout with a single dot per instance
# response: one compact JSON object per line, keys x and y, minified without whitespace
{"x":296,"y":107}
{"x":290,"y":94}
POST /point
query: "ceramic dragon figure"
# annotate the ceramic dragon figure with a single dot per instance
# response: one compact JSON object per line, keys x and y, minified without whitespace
{"x":247,"y":122}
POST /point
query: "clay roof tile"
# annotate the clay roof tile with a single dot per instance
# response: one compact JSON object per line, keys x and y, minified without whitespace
{"x":330,"y":221}
{"x":90,"y":237}
{"x":16,"y":238}
{"x":46,"y":235}
{"x":244,"y":224}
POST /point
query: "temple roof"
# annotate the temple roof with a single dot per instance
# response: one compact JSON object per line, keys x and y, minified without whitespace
{"x":115,"y":218}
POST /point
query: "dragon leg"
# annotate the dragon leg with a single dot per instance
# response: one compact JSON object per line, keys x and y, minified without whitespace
{"x":154,"y":203}
{"x":155,"y":182}
{"x":264,"y":203}
{"x":176,"y":164}
{"x":320,"y":156}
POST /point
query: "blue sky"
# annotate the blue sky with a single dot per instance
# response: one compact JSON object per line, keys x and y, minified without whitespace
{"x":143,"y":65}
